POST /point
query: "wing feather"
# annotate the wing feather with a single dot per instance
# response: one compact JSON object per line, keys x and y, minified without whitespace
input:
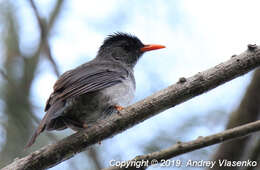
{"x":82,"y":80}
{"x":85,"y":79}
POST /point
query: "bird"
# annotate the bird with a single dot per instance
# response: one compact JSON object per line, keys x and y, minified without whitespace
{"x":95,"y":89}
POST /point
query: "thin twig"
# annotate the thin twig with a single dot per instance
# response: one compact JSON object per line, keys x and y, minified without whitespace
{"x":44,"y":29}
{"x":4,"y":75}
{"x":201,"y":142}
{"x":39,"y":20}
{"x":92,"y":153}
{"x":49,"y":56}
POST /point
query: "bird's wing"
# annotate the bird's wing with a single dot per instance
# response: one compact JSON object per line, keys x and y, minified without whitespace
{"x":85,"y":79}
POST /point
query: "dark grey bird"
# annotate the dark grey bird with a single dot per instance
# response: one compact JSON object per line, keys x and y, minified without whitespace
{"x":95,"y":89}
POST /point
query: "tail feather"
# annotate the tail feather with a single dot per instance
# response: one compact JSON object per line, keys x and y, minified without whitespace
{"x":37,"y":132}
{"x":53,"y":112}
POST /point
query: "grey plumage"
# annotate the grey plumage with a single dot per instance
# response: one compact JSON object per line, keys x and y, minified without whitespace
{"x":88,"y":97}
{"x":91,"y":91}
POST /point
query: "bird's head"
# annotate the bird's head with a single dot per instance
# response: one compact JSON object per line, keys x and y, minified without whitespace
{"x":124,"y":48}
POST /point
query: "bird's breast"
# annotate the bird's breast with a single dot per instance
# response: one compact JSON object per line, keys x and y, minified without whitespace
{"x":120,"y":94}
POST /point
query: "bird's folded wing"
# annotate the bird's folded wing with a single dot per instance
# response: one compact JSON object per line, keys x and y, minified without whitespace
{"x":97,"y":81}
{"x":85,"y":80}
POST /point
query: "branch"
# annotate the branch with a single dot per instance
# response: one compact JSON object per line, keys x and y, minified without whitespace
{"x":51,"y":59}
{"x":93,"y":154}
{"x":184,"y":90}
{"x":39,"y":19}
{"x":201,"y":142}
{"x":33,"y":60}
{"x":2,"y":72}
{"x":247,"y":111}
{"x":53,"y":16}
{"x":44,"y":29}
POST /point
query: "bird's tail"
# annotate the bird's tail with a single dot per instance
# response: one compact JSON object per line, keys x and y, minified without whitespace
{"x":37,"y":132}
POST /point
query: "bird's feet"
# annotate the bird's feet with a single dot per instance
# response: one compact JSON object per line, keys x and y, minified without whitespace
{"x":119,"y":108}
{"x":85,"y":126}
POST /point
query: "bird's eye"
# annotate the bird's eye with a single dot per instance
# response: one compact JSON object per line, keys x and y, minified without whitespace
{"x":116,"y":55}
{"x":127,"y":47}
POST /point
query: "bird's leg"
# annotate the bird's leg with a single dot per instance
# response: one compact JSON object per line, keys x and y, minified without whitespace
{"x":118,"y":109}
{"x":85,"y":125}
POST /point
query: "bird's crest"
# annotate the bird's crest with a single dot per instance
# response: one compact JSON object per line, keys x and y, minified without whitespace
{"x":118,"y":36}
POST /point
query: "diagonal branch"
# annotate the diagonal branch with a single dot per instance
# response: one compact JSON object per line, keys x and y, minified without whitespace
{"x":184,"y":147}
{"x":39,"y":19}
{"x":51,"y":59}
{"x":180,"y":92}
{"x":44,"y":29}
{"x":34,"y":59}
{"x":54,"y":15}
{"x":2,"y":72}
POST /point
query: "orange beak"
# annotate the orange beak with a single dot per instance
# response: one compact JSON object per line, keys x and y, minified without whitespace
{"x":151,"y":47}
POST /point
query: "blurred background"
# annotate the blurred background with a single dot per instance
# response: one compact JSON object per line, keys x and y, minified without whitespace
{"x":40,"y":40}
